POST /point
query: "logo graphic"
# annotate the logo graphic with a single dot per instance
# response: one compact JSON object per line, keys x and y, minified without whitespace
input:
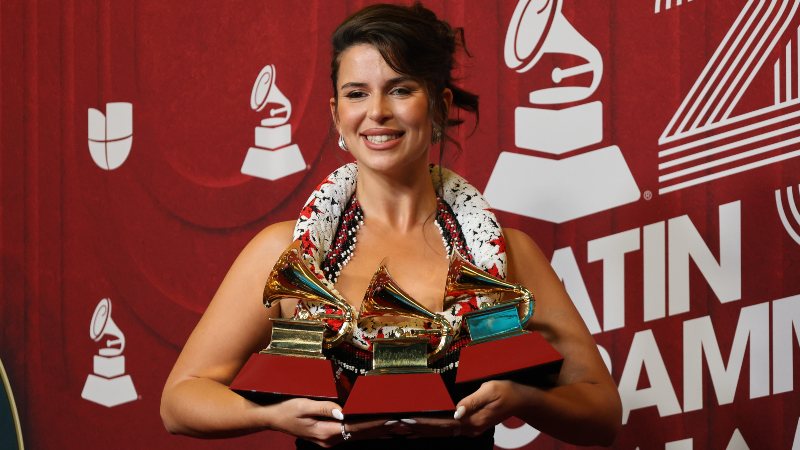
{"x":704,"y":141}
{"x":558,"y":188}
{"x":668,"y":4}
{"x":779,"y":202}
{"x":108,"y":385}
{"x":274,"y":155}
{"x":111,"y":134}
{"x":10,"y":430}
{"x":511,"y":438}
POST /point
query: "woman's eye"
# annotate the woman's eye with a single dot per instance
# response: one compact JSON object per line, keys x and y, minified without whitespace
{"x":355,"y":94}
{"x":401,"y":91}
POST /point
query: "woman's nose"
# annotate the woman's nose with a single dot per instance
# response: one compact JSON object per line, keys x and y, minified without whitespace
{"x":379,"y":110}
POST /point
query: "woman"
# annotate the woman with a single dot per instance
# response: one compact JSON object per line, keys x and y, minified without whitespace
{"x":393,"y":94}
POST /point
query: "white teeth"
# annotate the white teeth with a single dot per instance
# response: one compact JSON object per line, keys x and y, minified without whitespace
{"x":379,"y":139}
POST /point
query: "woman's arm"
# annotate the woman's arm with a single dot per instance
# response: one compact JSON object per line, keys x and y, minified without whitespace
{"x":584,"y":407}
{"x":196,"y":400}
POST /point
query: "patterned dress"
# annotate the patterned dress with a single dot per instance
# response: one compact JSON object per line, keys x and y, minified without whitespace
{"x":326,"y":229}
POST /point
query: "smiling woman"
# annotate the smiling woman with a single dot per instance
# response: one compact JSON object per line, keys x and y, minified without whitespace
{"x":392,"y":100}
{"x":382,"y":116}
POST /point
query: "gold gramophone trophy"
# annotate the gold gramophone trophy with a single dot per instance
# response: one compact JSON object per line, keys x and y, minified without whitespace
{"x":500,"y":346}
{"x":400,"y":381}
{"x":293,"y":364}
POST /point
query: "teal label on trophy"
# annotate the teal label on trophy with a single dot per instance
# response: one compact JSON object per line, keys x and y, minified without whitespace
{"x":494,"y":322}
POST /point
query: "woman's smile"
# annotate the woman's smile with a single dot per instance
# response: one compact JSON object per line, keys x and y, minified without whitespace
{"x":381,"y":138}
{"x":382,"y":115}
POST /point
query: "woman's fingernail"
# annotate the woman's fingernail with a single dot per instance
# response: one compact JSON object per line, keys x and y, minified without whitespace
{"x":408,"y":421}
{"x":459,"y":412}
{"x":390,"y":422}
{"x":337,"y":414}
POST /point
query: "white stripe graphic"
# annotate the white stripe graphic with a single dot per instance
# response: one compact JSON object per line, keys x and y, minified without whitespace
{"x":751,"y":70}
{"x":728,"y":159}
{"x":718,"y":90}
{"x":736,"y":131}
{"x":740,"y":52}
{"x":732,"y":145}
{"x":729,"y":172}
{"x":782,"y":213}
{"x":667,"y":4}
{"x":792,"y":205}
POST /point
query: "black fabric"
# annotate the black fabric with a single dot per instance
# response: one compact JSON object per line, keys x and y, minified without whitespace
{"x":482,"y":442}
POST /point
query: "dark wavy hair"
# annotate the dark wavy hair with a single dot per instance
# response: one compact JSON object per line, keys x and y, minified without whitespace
{"x":414,"y":43}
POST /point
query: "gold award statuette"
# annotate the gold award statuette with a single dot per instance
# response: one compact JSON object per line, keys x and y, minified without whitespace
{"x":293,"y":365}
{"x":500,"y":347}
{"x":400,"y":382}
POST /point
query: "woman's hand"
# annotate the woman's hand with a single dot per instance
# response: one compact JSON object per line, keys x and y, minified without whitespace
{"x":322,"y":423}
{"x":315,"y":421}
{"x":494,"y":402}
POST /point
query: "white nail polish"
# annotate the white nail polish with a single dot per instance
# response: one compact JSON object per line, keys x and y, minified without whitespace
{"x":390,"y":422}
{"x":337,"y":414}
{"x":408,"y":421}
{"x":459,"y":412}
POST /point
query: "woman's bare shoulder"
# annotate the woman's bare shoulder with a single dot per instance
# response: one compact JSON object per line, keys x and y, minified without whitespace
{"x":269,"y":243}
{"x":279,"y":233}
{"x":522,"y":251}
{"x":517,"y":237}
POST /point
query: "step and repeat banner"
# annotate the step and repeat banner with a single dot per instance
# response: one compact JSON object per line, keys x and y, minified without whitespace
{"x":650,"y":147}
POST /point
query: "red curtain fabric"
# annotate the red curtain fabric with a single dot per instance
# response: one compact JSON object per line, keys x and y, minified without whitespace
{"x":680,"y":247}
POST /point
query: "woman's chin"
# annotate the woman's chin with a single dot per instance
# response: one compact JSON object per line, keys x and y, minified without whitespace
{"x":390,"y":164}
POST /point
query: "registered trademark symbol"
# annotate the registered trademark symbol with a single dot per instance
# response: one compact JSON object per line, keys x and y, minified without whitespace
{"x":648,"y":195}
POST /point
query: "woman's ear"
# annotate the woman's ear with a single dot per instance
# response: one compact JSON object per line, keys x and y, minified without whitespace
{"x":447,"y":96}
{"x":334,"y":113}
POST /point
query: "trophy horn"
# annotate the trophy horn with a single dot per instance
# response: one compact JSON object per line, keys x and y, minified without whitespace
{"x":465,"y":278}
{"x":385,"y":298}
{"x":292,"y":278}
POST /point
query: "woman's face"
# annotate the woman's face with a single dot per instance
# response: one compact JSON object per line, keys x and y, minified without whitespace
{"x":382,"y":115}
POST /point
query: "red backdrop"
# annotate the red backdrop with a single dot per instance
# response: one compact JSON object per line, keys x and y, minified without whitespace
{"x":687,"y":277}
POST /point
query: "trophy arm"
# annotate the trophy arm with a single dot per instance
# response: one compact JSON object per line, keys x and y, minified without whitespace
{"x":445,"y":338}
{"x":348,"y":324}
{"x":526,"y":306}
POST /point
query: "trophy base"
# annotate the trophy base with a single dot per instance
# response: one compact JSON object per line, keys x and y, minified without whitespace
{"x":418,"y":394}
{"x":561,"y":190}
{"x":273,"y":164}
{"x":526,"y":358}
{"x":109,"y":391}
{"x":267,"y":378}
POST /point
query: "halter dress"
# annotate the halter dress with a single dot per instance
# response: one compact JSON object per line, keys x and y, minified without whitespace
{"x":327,"y":229}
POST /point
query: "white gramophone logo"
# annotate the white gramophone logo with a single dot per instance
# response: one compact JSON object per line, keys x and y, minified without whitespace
{"x":274,"y":155}
{"x":557,"y":189}
{"x":111,"y":134}
{"x":108,"y":385}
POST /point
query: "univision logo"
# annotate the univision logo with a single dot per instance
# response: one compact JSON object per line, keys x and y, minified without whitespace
{"x":111,"y":134}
